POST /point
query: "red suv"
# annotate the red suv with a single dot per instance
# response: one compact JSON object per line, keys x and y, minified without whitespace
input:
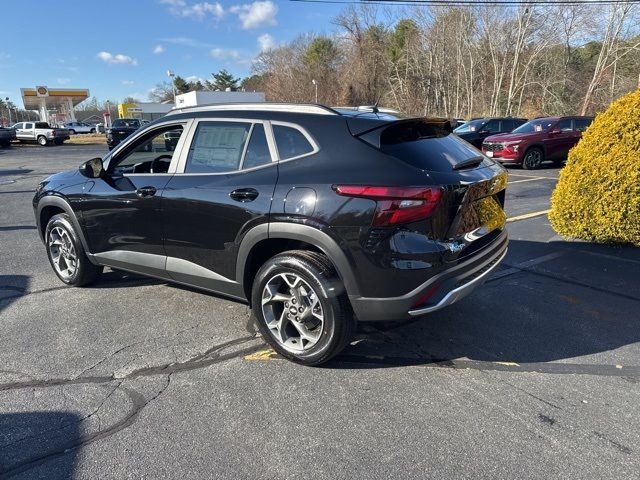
{"x":529,"y":145}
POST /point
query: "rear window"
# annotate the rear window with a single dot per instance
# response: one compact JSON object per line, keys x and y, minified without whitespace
{"x":427,"y":145}
{"x":581,"y":124}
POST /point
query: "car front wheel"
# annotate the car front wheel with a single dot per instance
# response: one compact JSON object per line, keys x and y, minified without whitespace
{"x":532,"y":159}
{"x":301,"y":308}
{"x":66,"y":254}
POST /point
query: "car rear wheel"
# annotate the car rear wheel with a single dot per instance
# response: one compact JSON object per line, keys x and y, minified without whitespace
{"x":300,"y":307}
{"x":72,"y":132}
{"x":93,"y":130}
{"x":532,"y":159}
{"x":66,"y":254}
{"x":42,"y":141}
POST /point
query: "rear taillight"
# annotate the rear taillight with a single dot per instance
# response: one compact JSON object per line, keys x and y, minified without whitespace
{"x":396,"y":204}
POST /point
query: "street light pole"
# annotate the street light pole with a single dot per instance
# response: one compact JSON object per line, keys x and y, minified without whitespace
{"x":315,"y":84}
{"x":8,"y":109}
{"x":171,"y":75}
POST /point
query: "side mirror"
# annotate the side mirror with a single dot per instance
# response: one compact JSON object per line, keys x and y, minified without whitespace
{"x":92,"y":168}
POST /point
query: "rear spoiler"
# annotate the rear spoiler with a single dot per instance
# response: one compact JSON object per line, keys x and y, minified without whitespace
{"x":372,"y":131}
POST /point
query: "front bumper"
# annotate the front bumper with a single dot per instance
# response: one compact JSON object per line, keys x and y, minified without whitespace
{"x":447,"y":287}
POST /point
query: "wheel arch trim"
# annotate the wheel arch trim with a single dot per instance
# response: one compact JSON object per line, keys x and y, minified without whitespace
{"x":59,"y":202}
{"x":304,"y":233}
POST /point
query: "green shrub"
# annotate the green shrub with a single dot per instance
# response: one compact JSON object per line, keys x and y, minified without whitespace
{"x":598,"y":195}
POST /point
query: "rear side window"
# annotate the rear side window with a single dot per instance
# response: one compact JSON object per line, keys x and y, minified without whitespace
{"x":258,"y":149}
{"x":427,"y":146}
{"x":217,"y":147}
{"x":291,"y":142}
{"x":581,"y":124}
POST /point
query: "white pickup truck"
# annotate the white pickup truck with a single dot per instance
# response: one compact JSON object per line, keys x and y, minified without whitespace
{"x":40,"y":132}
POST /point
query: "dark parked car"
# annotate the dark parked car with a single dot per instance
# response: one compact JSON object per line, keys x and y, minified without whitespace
{"x":121,"y":129}
{"x":313,"y":216}
{"x":529,"y":145}
{"x":475,"y":131}
{"x":7,"y":135}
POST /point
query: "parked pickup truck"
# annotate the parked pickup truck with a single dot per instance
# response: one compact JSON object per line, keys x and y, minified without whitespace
{"x":6,"y":136}
{"x":41,"y":133}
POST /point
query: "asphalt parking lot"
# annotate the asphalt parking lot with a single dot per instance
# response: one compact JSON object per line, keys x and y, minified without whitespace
{"x":534,"y":375}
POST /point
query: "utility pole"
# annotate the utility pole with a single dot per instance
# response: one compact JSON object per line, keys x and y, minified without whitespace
{"x":315,"y":84}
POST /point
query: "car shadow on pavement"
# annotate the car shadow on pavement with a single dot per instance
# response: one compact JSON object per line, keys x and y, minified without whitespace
{"x":547,"y":302}
{"x":12,"y":172}
{"x":12,"y":287}
{"x":28,"y":439}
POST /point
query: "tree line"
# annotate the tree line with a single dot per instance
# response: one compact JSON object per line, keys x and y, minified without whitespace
{"x":519,"y":60}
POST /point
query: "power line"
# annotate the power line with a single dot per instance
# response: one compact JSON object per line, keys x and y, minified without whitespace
{"x":471,"y":3}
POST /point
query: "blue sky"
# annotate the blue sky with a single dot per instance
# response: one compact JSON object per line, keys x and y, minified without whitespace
{"x":119,"y":48}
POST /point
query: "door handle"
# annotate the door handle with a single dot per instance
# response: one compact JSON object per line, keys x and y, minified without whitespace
{"x":244,"y":194}
{"x":146,"y":192}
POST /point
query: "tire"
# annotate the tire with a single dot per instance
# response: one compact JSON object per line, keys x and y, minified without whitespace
{"x":42,"y":141}
{"x":329,"y":324}
{"x":93,"y":130}
{"x":533,"y":158}
{"x":63,"y":244}
{"x":72,"y":132}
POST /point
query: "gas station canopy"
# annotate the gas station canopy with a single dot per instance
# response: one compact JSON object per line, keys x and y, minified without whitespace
{"x":60,"y":100}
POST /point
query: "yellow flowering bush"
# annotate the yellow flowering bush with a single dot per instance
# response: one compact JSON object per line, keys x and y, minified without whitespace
{"x":598,"y":194}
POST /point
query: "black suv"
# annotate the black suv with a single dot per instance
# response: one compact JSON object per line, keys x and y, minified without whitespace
{"x":476,"y":130}
{"x":121,"y":129}
{"x":313,"y":216}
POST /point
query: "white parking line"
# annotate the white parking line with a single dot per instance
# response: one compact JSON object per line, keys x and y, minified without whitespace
{"x":531,"y":180}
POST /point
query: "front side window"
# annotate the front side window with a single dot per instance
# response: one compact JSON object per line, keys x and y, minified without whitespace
{"x":492,"y":127}
{"x":150,"y":154}
{"x":291,"y":142}
{"x":581,"y":124}
{"x":564,"y":125}
{"x":217,"y":147}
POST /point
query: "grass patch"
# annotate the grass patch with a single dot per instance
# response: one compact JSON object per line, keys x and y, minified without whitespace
{"x":88,"y":139}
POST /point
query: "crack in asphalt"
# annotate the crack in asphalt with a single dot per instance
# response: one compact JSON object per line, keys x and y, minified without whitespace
{"x":138,"y":401}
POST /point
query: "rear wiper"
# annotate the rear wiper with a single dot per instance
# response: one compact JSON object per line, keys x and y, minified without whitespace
{"x":471,"y":162}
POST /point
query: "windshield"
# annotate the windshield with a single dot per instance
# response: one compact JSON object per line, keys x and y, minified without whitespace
{"x":540,"y":125}
{"x":127,"y":122}
{"x":469,"y":127}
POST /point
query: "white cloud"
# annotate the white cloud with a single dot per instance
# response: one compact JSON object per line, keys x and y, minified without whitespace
{"x":63,"y":81}
{"x":224,"y":54}
{"x":256,"y":14}
{"x":128,"y":82}
{"x":199,"y":11}
{"x":266,"y":42}
{"x":158,"y":49}
{"x":118,"y":58}
{"x":195,"y":78}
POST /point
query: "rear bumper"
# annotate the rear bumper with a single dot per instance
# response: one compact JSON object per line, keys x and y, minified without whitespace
{"x":448,"y":287}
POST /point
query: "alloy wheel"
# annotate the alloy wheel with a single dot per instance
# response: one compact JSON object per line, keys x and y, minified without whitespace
{"x":533,"y":159}
{"x":62,"y":252}
{"x":292,"y":312}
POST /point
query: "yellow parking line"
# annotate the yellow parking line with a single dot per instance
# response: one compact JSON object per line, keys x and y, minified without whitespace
{"x":528,"y":215}
{"x":267,"y":354}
